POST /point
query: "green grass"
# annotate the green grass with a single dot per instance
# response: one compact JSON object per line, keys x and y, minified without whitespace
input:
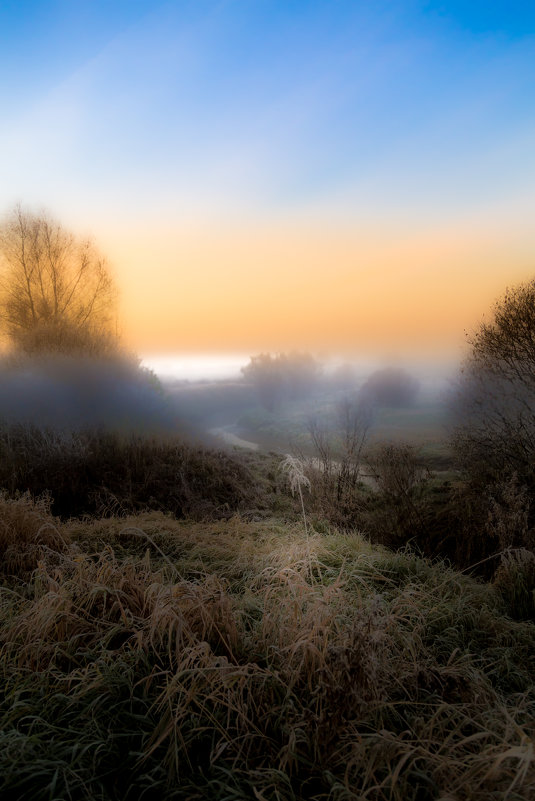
{"x":153,"y":658}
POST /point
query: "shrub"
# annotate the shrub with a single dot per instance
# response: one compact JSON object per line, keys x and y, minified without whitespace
{"x":400,"y":509}
{"x":335,"y":472}
{"x":88,"y":472}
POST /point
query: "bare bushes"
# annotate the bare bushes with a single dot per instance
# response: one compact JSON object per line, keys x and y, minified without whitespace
{"x":335,"y":471}
{"x":494,"y":427}
{"x":491,"y":520}
{"x":90,"y":472}
{"x":397,"y":471}
{"x":383,"y":491}
{"x":508,"y":509}
{"x":507,"y":528}
{"x":493,"y":434}
{"x":399,"y":510}
{"x":442,"y":519}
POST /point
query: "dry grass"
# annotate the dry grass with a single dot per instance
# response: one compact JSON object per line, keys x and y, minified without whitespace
{"x":27,"y":531}
{"x":235,"y":660}
{"x":515,"y":580}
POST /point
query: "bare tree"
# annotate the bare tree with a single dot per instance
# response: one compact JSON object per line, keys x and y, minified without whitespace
{"x":354,"y":421}
{"x":495,"y":406}
{"x":336,"y":467}
{"x":56,"y":291}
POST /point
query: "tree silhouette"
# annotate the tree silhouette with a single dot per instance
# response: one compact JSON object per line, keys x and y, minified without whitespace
{"x":284,"y":376}
{"x":56,"y":291}
{"x":494,"y":408}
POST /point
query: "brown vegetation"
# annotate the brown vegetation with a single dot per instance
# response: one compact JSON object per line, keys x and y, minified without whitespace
{"x":230,"y":669}
{"x":102,"y":472}
{"x":28,"y":532}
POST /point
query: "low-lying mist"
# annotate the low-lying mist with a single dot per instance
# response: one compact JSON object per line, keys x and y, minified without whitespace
{"x":73,"y":392}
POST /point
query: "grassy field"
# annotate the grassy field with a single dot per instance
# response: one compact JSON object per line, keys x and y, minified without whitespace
{"x":145,"y":657}
{"x":423,"y":425}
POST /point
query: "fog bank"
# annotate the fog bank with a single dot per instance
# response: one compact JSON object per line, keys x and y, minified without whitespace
{"x":61,"y":391}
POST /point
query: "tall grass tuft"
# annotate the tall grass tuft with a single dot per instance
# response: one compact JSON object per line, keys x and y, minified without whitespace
{"x":27,"y":531}
{"x":294,"y":470}
{"x":515,"y":580}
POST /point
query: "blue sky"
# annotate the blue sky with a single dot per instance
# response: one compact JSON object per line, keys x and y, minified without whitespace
{"x":383,"y":114}
{"x":274,"y":104}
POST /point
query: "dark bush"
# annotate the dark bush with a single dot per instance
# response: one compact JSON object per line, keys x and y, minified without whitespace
{"x":99,"y":472}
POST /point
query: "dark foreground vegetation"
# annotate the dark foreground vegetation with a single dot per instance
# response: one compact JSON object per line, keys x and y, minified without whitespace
{"x":103,"y":472}
{"x":145,"y":657}
{"x":217,"y":648}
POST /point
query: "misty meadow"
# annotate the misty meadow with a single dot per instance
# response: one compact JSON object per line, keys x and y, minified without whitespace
{"x":302,"y":583}
{"x":267,"y":401}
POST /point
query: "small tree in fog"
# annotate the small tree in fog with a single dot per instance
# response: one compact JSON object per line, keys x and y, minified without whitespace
{"x":284,"y":376}
{"x":56,"y":292}
{"x":264,"y":373}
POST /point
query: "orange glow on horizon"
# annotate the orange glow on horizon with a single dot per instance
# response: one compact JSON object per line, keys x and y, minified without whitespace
{"x":324,"y":289}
